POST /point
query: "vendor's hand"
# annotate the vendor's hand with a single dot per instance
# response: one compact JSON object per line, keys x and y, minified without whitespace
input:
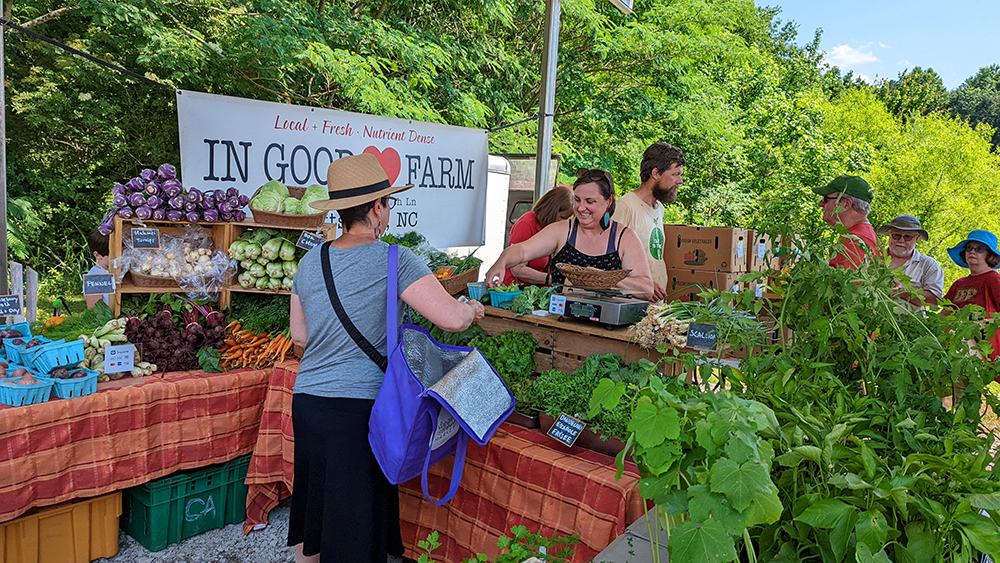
{"x":478,"y":309}
{"x":494,"y":277}
{"x":658,"y":292}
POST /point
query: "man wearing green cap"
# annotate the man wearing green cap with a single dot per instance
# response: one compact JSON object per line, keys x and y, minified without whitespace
{"x":847,"y":200}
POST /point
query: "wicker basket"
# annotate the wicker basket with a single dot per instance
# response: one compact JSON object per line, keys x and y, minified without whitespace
{"x":458,"y":283}
{"x":592,"y":279}
{"x":285,"y":220}
{"x":142,"y":280}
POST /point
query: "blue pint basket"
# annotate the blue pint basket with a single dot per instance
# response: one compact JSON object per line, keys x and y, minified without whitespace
{"x":19,"y":353}
{"x":72,"y":388}
{"x":497,"y":299}
{"x":15,"y":395}
{"x":58,"y":354}
{"x":478,"y":291}
{"x":23,"y":328}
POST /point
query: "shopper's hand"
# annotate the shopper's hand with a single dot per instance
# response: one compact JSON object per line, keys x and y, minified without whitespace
{"x":478,"y":310}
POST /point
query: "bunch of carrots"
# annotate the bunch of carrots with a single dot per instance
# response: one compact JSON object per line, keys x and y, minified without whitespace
{"x":245,"y":349}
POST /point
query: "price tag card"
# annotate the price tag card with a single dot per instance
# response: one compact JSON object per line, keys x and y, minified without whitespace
{"x":145,"y":238}
{"x":308,"y":240}
{"x":701,"y":336}
{"x":98,"y":284}
{"x":119,"y":358}
{"x":566,"y":429}
{"x":10,"y":305}
{"x":557,"y":304}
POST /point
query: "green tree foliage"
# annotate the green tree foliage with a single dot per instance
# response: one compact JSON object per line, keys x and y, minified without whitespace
{"x":916,"y":91}
{"x":978,"y":99}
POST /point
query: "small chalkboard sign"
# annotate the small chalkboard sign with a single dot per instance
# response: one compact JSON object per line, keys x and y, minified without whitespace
{"x":10,"y":305}
{"x":98,"y":284}
{"x":566,"y":429}
{"x":145,"y":238}
{"x":701,"y":336}
{"x":308,"y":240}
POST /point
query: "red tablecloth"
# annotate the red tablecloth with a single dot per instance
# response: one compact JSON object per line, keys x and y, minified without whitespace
{"x":521,"y":477}
{"x":119,"y":438}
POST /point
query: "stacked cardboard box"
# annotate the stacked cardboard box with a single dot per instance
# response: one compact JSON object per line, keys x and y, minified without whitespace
{"x":700,"y":258}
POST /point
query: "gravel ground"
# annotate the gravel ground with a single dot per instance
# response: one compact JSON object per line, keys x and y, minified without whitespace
{"x":224,"y":545}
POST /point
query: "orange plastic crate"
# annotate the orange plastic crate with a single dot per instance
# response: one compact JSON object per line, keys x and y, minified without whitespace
{"x":73,"y":532}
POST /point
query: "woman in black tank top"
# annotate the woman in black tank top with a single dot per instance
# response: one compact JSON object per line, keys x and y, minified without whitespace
{"x":589,"y":239}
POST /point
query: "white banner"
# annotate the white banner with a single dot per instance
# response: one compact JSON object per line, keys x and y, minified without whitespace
{"x":227,"y":142}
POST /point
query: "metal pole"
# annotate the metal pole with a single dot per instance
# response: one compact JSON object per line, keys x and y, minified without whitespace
{"x":547,"y":97}
{"x":4,"y":287}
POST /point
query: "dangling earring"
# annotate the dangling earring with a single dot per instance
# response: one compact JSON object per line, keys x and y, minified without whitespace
{"x":606,"y":220}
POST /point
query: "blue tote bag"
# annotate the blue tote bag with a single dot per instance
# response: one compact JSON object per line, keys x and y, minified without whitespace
{"x":433,"y":400}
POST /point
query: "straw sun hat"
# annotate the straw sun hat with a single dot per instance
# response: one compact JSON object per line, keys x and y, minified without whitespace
{"x":354,"y":180}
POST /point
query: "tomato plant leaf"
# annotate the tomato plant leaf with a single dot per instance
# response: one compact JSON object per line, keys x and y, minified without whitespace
{"x":872,"y":530}
{"x":864,"y":555}
{"x":981,"y":533}
{"x":701,"y":542}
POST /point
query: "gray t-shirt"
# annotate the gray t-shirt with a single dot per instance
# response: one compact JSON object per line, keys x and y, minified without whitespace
{"x":333,"y":365}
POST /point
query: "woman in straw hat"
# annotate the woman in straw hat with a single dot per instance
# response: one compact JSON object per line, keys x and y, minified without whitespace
{"x":590,"y":239}
{"x":343,"y":508}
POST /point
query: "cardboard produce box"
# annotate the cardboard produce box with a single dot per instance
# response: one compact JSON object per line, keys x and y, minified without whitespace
{"x":685,"y":285}
{"x":717,"y":249}
{"x":760,"y":256}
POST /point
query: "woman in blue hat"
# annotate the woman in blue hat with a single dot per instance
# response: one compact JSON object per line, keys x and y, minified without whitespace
{"x":978,"y":253}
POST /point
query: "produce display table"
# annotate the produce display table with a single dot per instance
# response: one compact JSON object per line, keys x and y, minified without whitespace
{"x":520,"y":478}
{"x":564,"y":345}
{"x":118,"y":438}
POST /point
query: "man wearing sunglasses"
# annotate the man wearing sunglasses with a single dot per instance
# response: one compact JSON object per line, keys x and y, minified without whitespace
{"x":848,"y":200}
{"x":923,"y":271}
{"x":642,"y":209}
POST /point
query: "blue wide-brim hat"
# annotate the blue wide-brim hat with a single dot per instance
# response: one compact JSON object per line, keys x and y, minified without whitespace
{"x":978,"y":235}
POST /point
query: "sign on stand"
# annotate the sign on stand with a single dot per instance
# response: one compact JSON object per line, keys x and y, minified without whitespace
{"x":145,"y":238}
{"x":227,"y":142}
{"x":566,"y":429}
{"x":701,"y":336}
{"x":10,"y":305}
{"x":98,"y":284}
{"x":119,"y":358}
{"x":307,"y":241}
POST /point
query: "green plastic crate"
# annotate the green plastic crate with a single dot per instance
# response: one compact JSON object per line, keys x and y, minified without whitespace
{"x":185,"y":504}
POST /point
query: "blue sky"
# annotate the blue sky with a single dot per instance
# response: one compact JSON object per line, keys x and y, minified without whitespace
{"x":881,"y":38}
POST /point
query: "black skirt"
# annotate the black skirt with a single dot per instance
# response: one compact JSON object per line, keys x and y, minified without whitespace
{"x":343,"y":507}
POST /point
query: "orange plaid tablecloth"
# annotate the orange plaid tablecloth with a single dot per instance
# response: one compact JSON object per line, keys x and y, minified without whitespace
{"x":521,"y":477}
{"x":119,"y":438}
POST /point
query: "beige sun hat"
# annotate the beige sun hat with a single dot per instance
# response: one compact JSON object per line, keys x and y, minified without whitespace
{"x":353,"y":180}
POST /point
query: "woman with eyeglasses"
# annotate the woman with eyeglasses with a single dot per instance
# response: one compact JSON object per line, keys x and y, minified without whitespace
{"x":588,"y":239}
{"x":978,"y":253}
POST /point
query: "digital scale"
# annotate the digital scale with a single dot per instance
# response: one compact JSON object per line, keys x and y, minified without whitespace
{"x":605,"y":306}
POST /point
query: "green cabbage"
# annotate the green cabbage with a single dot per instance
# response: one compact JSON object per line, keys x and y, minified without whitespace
{"x":291,"y":206}
{"x":267,"y":202}
{"x":274,"y":187}
{"x":313,"y":193}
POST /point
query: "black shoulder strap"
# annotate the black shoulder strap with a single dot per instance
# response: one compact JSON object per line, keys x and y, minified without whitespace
{"x":381,"y":361}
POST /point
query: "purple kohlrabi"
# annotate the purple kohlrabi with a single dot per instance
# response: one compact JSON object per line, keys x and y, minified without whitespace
{"x":119,"y":189}
{"x":143,"y":212}
{"x":125,"y":212}
{"x":210,"y":215}
{"x":193,"y":217}
{"x":120,"y":201}
{"x":194,"y":194}
{"x":239,"y":216}
{"x":106,"y":228}
{"x":176,"y":202}
{"x":175,"y":215}
{"x":166,"y":172}
{"x":136,"y":184}
{"x":151,"y":189}
{"x":136,"y":199}
{"x":226,"y":216}
{"x":147,"y":175}
{"x":232,"y":192}
{"x":154,"y":201}
{"x":190,"y":206}
{"x":172,"y":188}
{"x":244,"y":200}
{"x":159,"y":214}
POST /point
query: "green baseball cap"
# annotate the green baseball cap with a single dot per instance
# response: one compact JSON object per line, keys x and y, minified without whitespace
{"x":854,"y":186}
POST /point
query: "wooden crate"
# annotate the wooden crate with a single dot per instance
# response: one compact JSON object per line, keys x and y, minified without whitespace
{"x":221,"y":234}
{"x":237,"y":230}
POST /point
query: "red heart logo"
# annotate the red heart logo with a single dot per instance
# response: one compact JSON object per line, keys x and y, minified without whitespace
{"x":389,"y":159}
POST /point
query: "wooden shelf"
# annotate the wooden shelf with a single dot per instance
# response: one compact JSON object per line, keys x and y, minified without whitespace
{"x":240,"y":289}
